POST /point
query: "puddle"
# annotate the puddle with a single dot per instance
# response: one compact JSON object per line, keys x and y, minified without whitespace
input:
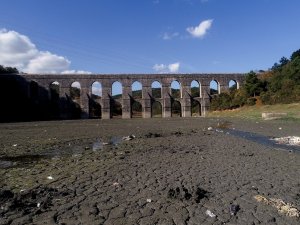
{"x":67,"y":151}
{"x":261,"y":139}
{"x":21,"y":161}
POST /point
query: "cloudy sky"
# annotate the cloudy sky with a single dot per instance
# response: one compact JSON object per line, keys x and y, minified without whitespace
{"x":147,"y":36}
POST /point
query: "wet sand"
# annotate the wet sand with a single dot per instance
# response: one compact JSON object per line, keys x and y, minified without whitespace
{"x":172,"y":172}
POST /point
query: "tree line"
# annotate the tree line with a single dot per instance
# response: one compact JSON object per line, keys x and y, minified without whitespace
{"x":279,"y":84}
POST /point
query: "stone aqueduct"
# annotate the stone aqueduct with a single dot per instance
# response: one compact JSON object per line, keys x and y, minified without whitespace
{"x":106,"y":81}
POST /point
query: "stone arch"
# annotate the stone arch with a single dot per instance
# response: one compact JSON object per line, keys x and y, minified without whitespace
{"x":233,"y":85}
{"x":75,"y":91}
{"x":136,"y":109}
{"x":214,"y":87}
{"x":34,"y":90}
{"x":116,"y":100}
{"x":195,"y":108}
{"x":116,"y":90}
{"x":96,"y":90}
{"x":156,"y":89}
{"x":54,"y":89}
{"x":137,"y":90}
{"x":176,"y":108}
{"x":195,"y":89}
{"x":75,"y":94}
{"x":95,"y":108}
{"x":176,"y":89}
{"x":156,"y":109}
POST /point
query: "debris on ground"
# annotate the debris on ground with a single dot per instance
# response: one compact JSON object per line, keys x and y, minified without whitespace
{"x":149,"y":200}
{"x":50,"y":178}
{"x":152,"y":135}
{"x":233,"y":209}
{"x":128,"y":138}
{"x":210,"y":213}
{"x":282,"y":207}
{"x":98,"y":145}
{"x":289,"y":140}
{"x":210,"y":128}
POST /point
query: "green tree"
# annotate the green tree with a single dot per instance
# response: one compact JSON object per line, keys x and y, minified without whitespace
{"x":253,"y":85}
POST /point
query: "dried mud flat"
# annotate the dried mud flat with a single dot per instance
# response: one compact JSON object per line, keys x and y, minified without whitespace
{"x":172,"y":172}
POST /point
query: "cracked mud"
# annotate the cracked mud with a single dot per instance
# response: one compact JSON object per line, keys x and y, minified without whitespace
{"x":172,"y":172}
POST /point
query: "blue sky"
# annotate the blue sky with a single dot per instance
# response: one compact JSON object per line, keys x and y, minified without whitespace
{"x":147,"y":36}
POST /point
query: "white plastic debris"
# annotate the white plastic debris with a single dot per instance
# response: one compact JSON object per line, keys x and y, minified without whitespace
{"x":98,"y":145}
{"x":210,"y":128}
{"x":149,"y":200}
{"x":116,"y":184}
{"x":280,"y":128}
{"x":128,"y":138}
{"x":50,"y":178}
{"x":15,"y":145}
{"x":210,"y":213}
{"x":38,"y":205}
{"x":289,"y":140}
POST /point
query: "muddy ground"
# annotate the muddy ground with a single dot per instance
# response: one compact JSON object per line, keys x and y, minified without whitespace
{"x":172,"y":172}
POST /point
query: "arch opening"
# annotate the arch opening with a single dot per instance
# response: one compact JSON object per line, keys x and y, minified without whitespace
{"x":156,"y":89}
{"x":54,"y":99}
{"x":75,"y":109}
{"x":34,"y":90}
{"x":195,"y":108}
{"x":233,"y":85}
{"x":214,"y":87}
{"x":195,"y":89}
{"x":96,"y":90}
{"x":115,"y":109}
{"x":175,"y":89}
{"x":95,"y":109}
{"x":156,"y":109}
{"x":136,"y":89}
{"x":136,"y":110}
{"x":116,"y":90}
{"x":176,"y":109}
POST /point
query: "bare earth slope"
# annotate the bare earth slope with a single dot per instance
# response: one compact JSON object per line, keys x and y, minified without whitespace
{"x":171,"y":173}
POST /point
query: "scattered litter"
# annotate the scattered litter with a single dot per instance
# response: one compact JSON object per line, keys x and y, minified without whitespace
{"x":210,"y":213}
{"x":15,"y":145}
{"x":115,"y":141}
{"x":280,"y":128}
{"x":86,"y":148}
{"x":128,"y":138}
{"x":289,"y":140}
{"x":116,"y":184}
{"x":153,"y":135}
{"x":149,"y":200}
{"x":98,"y":145}
{"x":210,"y":128}
{"x":233,"y":209}
{"x":219,"y":131}
{"x":282,"y":207}
{"x":50,"y":178}
{"x":38,"y":205}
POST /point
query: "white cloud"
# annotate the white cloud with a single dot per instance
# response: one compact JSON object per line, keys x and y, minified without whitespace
{"x":171,"y":68}
{"x":75,"y":72}
{"x":200,"y":30}
{"x":174,"y":67}
{"x":46,"y":62}
{"x":17,"y":50}
{"x":169,"y":36}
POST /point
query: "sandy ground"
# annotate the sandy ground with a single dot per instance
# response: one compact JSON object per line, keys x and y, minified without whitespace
{"x":171,"y":173}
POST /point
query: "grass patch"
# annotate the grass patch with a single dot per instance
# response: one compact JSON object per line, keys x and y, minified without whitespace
{"x":254,"y":112}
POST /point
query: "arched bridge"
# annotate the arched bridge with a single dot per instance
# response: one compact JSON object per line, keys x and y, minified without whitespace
{"x":153,"y":95}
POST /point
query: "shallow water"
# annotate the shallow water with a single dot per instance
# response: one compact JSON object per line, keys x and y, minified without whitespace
{"x":261,"y":139}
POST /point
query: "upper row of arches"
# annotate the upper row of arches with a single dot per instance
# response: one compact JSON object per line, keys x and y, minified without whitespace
{"x":136,"y":88}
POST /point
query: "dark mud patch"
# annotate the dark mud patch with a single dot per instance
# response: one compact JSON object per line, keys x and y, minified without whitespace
{"x":153,"y":135}
{"x":31,"y":202}
{"x":182,"y":193}
{"x":21,"y":161}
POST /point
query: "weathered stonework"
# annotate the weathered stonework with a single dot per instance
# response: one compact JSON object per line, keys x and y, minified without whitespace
{"x":106,"y":81}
